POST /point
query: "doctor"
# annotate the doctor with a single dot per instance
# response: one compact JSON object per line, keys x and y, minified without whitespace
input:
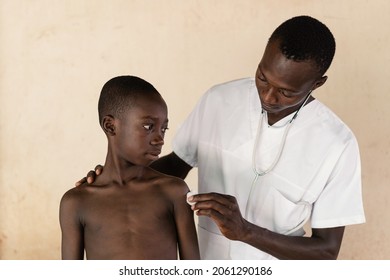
{"x":271,"y":157}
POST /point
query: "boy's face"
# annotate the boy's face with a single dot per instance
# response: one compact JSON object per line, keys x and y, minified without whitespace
{"x":140,"y":133}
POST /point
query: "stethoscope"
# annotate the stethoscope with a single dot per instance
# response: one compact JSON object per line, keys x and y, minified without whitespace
{"x":283,"y":142}
{"x":259,"y":173}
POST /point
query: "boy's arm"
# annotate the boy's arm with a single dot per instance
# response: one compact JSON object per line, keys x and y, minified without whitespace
{"x":72,"y":247}
{"x":186,"y":230}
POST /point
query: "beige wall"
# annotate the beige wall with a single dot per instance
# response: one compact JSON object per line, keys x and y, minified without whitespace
{"x":56,"y":55}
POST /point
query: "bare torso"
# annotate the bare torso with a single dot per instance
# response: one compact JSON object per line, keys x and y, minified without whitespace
{"x":131,"y":221}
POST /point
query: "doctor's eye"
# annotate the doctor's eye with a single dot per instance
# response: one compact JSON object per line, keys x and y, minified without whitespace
{"x":262,"y":78}
{"x":285,"y":93}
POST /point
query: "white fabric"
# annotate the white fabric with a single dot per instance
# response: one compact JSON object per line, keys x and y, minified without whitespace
{"x":318,"y":172}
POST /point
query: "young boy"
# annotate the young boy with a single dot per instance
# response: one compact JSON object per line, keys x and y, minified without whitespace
{"x":131,"y":211}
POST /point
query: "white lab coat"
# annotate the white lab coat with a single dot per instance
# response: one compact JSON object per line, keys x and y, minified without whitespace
{"x":317,"y":176}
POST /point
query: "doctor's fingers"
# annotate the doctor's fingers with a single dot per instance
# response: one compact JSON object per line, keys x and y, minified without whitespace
{"x":205,"y":207}
{"x":227,"y":225}
{"x":81,"y":181}
{"x":218,"y":197}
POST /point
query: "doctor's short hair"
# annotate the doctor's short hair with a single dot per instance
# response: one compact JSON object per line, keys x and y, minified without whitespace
{"x":121,"y":93}
{"x":305,"y":38}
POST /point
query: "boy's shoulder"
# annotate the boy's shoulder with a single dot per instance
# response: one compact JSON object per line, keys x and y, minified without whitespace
{"x":169,"y":183}
{"x":76,"y":193}
{"x":72,"y":200}
{"x":168,"y":179}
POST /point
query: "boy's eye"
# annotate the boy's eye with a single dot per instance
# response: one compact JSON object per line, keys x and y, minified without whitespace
{"x":148,"y":126}
{"x":164,"y":129}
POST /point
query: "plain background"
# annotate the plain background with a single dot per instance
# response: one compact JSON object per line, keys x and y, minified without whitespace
{"x":56,"y":55}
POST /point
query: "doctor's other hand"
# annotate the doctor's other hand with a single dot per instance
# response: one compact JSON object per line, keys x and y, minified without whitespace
{"x":91,"y":176}
{"x":225,"y":212}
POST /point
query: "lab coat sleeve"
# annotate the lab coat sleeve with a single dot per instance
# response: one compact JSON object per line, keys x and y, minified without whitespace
{"x":340,"y":202}
{"x":185,"y":142}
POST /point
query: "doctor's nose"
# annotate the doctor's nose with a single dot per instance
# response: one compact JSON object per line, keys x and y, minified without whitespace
{"x":269,"y":95}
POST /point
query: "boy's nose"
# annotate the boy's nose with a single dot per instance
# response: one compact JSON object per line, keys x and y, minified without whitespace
{"x":158,"y":139}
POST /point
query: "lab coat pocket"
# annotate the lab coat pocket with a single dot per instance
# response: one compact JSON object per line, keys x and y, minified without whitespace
{"x":289,"y":216}
{"x":279,"y":214}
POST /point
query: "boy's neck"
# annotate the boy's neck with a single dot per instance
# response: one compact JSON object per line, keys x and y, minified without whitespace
{"x":118,"y":171}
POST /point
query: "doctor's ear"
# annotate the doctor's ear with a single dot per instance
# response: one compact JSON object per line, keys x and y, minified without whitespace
{"x":320,"y":82}
{"x":108,"y":125}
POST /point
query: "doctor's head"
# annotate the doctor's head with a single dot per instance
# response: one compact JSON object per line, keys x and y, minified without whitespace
{"x":296,"y":57}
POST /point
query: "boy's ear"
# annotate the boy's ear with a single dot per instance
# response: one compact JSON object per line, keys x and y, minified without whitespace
{"x":108,"y":125}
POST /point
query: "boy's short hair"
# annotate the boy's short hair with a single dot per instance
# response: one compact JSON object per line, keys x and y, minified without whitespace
{"x":120,"y":93}
{"x":305,"y":38}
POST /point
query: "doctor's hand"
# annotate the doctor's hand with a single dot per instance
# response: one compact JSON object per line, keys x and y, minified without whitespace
{"x":225,"y":212}
{"x":91,"y":176}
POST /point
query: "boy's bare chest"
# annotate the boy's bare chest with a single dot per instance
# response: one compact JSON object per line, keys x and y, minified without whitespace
{"x":127,"y":210}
